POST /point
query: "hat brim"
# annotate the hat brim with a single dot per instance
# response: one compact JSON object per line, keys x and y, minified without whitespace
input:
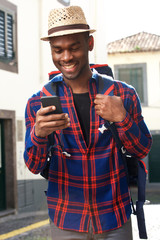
{"x":67,"y":32}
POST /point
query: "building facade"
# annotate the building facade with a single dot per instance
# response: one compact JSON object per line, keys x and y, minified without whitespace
{"x":136,"y":60}
{"x":25,"y":62}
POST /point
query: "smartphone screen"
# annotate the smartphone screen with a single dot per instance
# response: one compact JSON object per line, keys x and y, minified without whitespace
{"x":52,"y":101}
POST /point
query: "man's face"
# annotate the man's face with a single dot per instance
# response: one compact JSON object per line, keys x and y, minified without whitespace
{"x":70,"y":55}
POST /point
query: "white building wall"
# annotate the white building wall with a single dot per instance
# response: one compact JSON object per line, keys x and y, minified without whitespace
{"x":96,"y":14}
{"x":16,"y":88}
{"x":34,"y":58}
{"x":152,"y":59}
{"x":34,"y":63}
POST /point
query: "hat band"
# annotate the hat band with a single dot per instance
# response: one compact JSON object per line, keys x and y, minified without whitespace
{"x":68,"y":27}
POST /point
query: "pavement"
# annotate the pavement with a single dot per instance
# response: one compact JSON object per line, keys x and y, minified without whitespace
{"x":25,"y":226}
{"x":35,"y":225}
{"x":152,"y":217}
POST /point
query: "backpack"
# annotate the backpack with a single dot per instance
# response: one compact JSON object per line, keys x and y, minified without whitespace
{"x":135,"y":169}
{"x":101,"y":68}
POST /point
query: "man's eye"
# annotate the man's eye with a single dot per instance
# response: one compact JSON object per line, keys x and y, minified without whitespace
{"x":75,"y":48}
{"x":57,"y":50}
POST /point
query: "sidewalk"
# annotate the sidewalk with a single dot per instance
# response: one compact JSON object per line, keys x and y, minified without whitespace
{"x":25,"y":221}
{"x":19,"y":221}
{"x":152,"y":217}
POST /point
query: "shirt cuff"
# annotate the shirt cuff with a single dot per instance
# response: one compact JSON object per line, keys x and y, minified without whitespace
{"x":38,"y":141}
{"x":126,"y":124}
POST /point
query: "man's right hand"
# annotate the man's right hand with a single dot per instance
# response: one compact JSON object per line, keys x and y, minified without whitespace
{"x":46,"y":124}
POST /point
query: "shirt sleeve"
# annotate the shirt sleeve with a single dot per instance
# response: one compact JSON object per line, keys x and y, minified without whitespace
{"x":35,"y":147}
{"x":133,"y":131}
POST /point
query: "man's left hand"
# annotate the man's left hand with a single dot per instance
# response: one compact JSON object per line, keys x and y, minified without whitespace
{"x":110,"y":108}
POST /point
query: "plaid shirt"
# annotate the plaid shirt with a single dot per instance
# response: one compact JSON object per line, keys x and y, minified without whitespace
{"x":91,"y":183}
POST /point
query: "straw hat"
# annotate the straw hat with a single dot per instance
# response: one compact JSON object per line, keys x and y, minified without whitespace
{"x":68,"y":20}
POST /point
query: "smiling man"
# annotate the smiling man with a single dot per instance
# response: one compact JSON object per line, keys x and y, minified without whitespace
{"x":70,"y":56}
{"x":88,"y":195}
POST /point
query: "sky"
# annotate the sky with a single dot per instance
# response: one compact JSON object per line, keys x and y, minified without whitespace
{"x":125,"y":17}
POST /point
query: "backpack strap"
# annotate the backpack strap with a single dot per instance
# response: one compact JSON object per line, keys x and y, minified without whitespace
{"x":112,"y":128}
{"x":139,"y":212}
{"x":101,"y":68}
{"x":105,"y":85}
{"x":141,"y":200}
{"x":50,"y":89}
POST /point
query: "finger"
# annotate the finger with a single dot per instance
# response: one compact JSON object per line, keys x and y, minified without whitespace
{"x":44,"y":128}
{"x":97,"y":101}
{"x":55,"y":120}
{"x":60,"y":127}
{"x":49,"y":115}
{"x":56,"y":117}
{"x":46,"y":110}
{"x":99,"y":98}
{"x":99,"y":95}
{"x":55,"y":125}
{"x":97,"y":107}
{"x":53,"y":129}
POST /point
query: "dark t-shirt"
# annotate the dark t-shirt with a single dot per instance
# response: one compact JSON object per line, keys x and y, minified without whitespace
{"x":82,"y":104}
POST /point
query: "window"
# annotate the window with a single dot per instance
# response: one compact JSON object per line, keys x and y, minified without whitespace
{"x":8,"y":36}
{"x":65,"y":2}
{"x":135,"y":75}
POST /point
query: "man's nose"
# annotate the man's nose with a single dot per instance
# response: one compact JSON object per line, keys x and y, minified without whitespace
{"x":67,"y":56}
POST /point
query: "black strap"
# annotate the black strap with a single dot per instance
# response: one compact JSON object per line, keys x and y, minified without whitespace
{"x":112,"y":128}
{"x":100,"y":84}
{"x":54,"y":87}
{"x":124,"y":154}
{"x":139,"y":212}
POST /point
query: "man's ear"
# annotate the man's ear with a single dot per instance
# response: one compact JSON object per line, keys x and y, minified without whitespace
{"x":90,"y":43}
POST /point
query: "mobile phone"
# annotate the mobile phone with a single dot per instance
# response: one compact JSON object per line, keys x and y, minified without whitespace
{"x":52,"y":101}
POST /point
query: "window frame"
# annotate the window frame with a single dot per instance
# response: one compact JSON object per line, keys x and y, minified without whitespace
{"x":10,"y":64}
{"x":143,"y":66}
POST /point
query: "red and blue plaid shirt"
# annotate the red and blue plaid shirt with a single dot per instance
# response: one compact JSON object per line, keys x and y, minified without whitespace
{"x":91,"y":183}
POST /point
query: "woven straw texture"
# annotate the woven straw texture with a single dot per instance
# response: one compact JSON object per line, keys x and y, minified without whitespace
{"x":68,"y":17}
{"x":65,"y":16}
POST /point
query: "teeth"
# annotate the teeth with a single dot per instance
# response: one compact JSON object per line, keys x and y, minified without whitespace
{"x":69,"y":66}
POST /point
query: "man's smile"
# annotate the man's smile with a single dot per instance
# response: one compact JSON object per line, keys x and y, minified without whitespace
{"x":69,"y":67}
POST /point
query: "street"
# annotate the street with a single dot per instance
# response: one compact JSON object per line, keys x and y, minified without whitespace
{"x":27,"y":228}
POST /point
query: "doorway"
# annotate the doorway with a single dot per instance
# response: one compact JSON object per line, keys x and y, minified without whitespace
{"x":8,"y":176}
{"x":2,"y":169}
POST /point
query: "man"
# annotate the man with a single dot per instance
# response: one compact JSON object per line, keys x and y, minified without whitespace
{"x":87,"y":194}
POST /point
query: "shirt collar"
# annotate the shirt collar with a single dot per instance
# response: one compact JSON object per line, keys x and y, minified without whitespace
{"x":59,"y":77}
